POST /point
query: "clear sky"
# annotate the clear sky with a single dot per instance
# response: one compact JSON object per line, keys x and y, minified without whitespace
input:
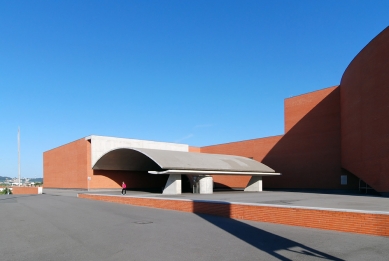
{"x":195,"y":72}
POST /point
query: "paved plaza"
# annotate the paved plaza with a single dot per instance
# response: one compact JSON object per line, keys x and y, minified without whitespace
{"x":59,"y":226}
{"x":347,"y":202}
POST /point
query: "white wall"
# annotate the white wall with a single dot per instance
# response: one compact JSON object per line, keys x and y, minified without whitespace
{"x":100,"y":145}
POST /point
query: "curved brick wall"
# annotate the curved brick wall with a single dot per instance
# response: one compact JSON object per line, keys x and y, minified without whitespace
{"x":364,"y":92}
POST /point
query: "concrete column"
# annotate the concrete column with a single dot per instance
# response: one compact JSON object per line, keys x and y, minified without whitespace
{"x":173,"y":185}
{"x":255,"y":184}
{"x":206,"y":184}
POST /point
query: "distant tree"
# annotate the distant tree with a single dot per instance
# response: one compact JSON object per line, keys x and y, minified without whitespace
{"x":6,"y":191}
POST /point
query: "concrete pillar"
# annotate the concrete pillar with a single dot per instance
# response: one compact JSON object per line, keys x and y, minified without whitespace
{"x":255,"y":184}
{"x":173,"y":185}
{"x":206,"y":184}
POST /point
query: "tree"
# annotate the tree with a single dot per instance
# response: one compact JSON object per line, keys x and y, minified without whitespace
{"x":6,"y":191}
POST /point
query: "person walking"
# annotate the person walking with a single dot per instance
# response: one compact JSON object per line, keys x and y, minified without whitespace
{"x":124,"y":186}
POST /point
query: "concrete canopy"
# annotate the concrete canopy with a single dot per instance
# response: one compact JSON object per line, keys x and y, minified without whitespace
{"x":166,"y":162}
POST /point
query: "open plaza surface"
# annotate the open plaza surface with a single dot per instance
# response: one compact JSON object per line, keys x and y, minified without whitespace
{"x":59,"y":226}
{"x":347,"y":202}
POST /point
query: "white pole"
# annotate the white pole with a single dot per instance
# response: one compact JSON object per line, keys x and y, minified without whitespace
{"x":19,"y":154}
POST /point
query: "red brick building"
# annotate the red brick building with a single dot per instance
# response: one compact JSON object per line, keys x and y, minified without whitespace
{"x":334,"y":139}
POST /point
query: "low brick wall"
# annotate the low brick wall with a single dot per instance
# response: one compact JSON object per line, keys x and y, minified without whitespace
{"x":26,"y":190}
{"x":345,"y":221}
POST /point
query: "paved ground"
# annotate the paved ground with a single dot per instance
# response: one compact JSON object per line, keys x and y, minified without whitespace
{"x":316,"y":200}
{"x":58,"y":226}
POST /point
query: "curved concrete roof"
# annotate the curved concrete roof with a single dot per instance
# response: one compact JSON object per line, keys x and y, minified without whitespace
{"x":137,"y":159}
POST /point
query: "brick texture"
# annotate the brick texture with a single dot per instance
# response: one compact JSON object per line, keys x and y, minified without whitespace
{"x":194,"y":149}
{"x":354,"y":222}
{"x":364,"y":92}
{"x":256,"y":149}
{"x":133,"y":179}
{"x":67,"y":166}
{"x":24,"y":190}
{"x":307,"y":155}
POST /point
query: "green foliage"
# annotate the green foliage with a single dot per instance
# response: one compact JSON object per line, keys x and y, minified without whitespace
{"x":6,"y":191}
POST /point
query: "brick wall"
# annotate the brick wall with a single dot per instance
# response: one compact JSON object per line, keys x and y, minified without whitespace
{"x":26,"y":190}
{"x":133,"y":179}
{"x":355,"y":222}
{"x":194,"y":149}
{"x":365,"y":113}
{"x":256,"y":149}
{"x":67,"y":166}
{"x":307,"y":155}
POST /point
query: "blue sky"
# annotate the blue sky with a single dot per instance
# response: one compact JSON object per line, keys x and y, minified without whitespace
{"x":194,"y":72}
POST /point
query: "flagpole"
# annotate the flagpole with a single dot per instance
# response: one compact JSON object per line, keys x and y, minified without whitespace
{"x":19,"y":154}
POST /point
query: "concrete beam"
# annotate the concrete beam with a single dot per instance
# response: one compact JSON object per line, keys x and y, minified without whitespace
{"x":213,"y":172}
{"x":173,"y":185}
{"x":101,"y":145}
{"x":255,"y":184}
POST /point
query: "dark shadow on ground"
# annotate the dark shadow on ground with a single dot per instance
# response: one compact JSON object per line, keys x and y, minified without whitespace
{"x":258,"y":238}
{"x":149,"y":190}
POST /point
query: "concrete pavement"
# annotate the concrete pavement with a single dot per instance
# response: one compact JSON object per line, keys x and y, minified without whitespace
{"x":58,"y":226}
{"x":295,"y":199}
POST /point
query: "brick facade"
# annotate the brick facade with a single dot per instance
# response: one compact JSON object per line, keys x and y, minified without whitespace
{"x":67,"y":166}
{"x":194,"y":149}
{"x":341,"y":130}
{"x":26,"y":190}
{"x":354,"y":222}
{"x":365,"y":113}
{"x":307,"y":155}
